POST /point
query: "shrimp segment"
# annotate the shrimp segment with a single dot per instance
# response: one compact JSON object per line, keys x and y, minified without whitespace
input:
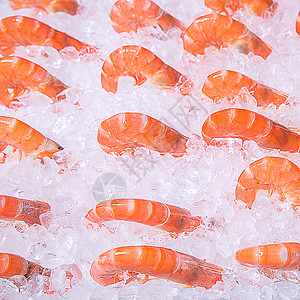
{"x":228,"y":84}
{"x":222,"y":31}
{"x":21,"y":74}
{"x":11,"y":265}
{"x":126,"y":131}
{"x":249,"y":125}
{"x":141,"y":64}
{"x":128,"y":15}
{"x":298,"y":23}
{"x":111,"y":266}
{"x":166,"y":217}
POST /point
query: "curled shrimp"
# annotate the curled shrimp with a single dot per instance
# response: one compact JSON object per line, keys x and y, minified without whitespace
{"x":128,"y":15}
{"x":111,"y":266}
{"x":249,"y":125}
{"x":166,"y":217}
{"x":21,"y":136}
{"x":142,"y":64}
{"x":15,"y":209}
{"x":24,"y":31}
{"x":67,"y":6}
{"x":222,"y":31}
{"x":20,"y":75}
{"x":228,"y":84}
{"x":298,"y":23}
{"x":126,"y":131}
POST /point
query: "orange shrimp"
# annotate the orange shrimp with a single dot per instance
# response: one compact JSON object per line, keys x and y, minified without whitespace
{"x":140,"y":63}
{"x":222,"y":31}
{"x":15,"y":209}
{"x":21,"y":136}
{"x":126,"y":131}
{"x":23,"y":31}
{"x":257,"y":7}
{"x":67,"y":6}
{"x":249,"y":125}
{"x":228,"y":84}
{"x":298,"y":23}
{"x":111,"y":266}
{"x":272,"y":174}
{"x":21,"y":75}
{"x":166,"y":217}
{"x":128,"y":15}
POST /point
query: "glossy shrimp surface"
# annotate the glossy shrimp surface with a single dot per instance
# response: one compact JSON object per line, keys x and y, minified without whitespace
{"x":20,"y":75}
{"x":249,"y":125}
{"x":219,"y":31}
{"x":298,"y":23}
{"x":130,"y":15}
{"x":229,"y":84}
{"x":11,"y":265}
{"x":111,"y":266}
{"x":127,"y":131}
{"x":142,"y":64}
{"x":166,"y":217}
{"x":67,"y":6}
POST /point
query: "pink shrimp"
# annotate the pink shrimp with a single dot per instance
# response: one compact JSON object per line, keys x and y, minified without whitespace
{"x":249,"y":125}
{"x":111,"y":266}
{"x":128,"y":15}
{"x":21,"y":75}
{"x":298,"y":23}
{"x":142,"y":64}
{"x":126,"y":131}
{"x":222,"y":31}
{"x":166,"y":217}
{"x":228,"y":84}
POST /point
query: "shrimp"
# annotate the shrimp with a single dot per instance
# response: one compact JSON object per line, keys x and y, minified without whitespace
{"x":222,"y":31}
{"x":249,"y":125}
{"x":21,"y":136}
{"x":67,"y":6}
{"x":15,"y":209}
{"x":128,"y":15}
{"x":111,"y":266}
{"x":298,"y":23}
{"x":21,"y":74}
{"x":140,"y":63}
{"x":257,"y":7}
{"x":126,"y":131}
{"x":23,"y":31}
{"x":228,"y":84}
{"x":163,"y":216}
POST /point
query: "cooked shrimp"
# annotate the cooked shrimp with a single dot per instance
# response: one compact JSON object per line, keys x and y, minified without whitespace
{"x":166,"y":217}
{"x":111,"y":266}
{"x":142,"y":64}
{"x":67,"y":6}
{"x":298,"y":23}
{"x":257,"y":7}
{"x":21,"y":75}
{"x":126,"y":131}
{"x":128,"y":15}
{"x":249,"y":125}
{"x":228,"y":84}
{"x":21,"y":136}
{"x":23,"y":31}
{"x":222,"y":31}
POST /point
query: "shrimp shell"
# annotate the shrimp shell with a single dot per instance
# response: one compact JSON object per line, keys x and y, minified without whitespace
{"x":142,"y":64}
{"x":228,"y":84}
{"x":126,"y":131}
{"x":298,"y":23}
{"x":11,"y":265}
{"x":222,"y":31}
{"x":111,"y":266}
{"x":249,"y":125}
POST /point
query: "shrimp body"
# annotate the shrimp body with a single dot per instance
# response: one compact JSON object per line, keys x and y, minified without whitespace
{"x":163,"y":216}
{"x":249,"y":125}
{"x":298,"y":23}
{"x":222,"y":31}
{"x":228,"y":84}
{"x":142,"y":64}
{"x":130,"y":15}
{"x":111,"y":266}
{"x":126,"y":131}
{"x":285,"y":256}
{"x":67,"y":6}
{"x":11,"y":265}
{"x":21,"y":74}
